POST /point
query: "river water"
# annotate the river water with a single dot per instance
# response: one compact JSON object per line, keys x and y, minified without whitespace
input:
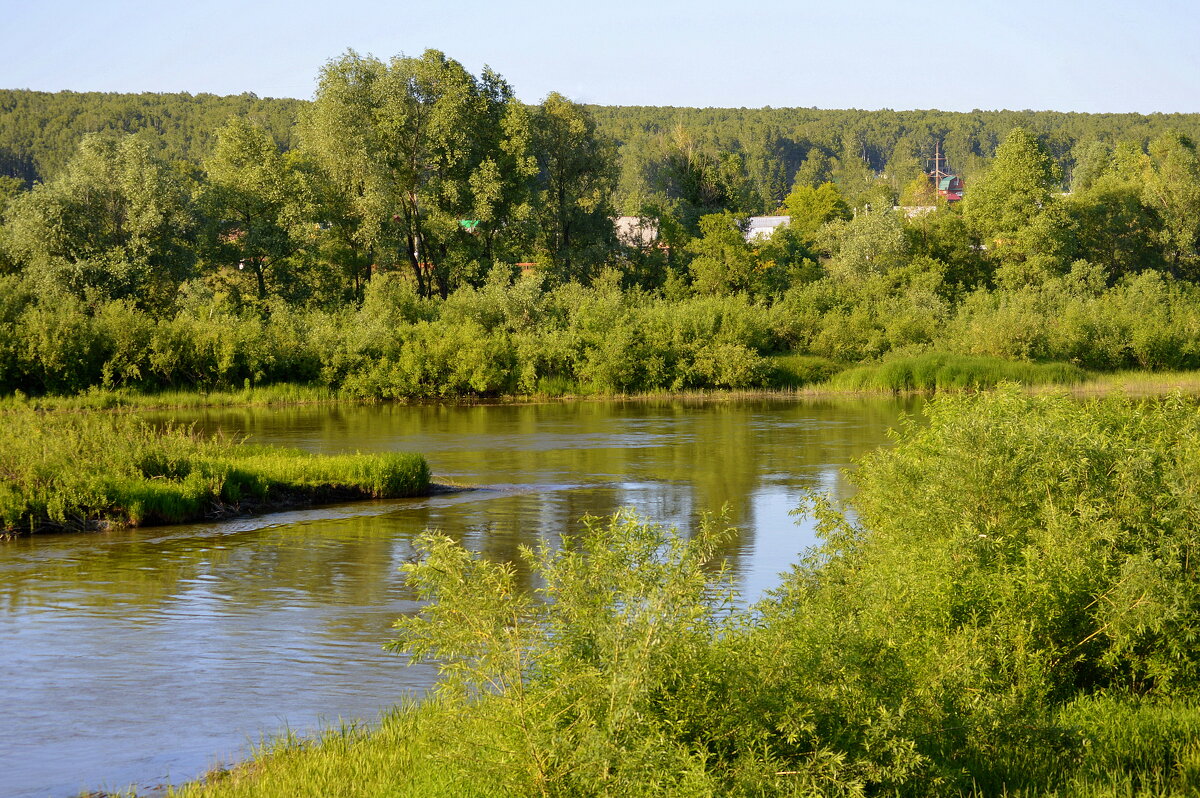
{"x":147,"y":657}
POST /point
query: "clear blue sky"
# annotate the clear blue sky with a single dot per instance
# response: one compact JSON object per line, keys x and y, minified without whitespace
{"x":1067,"y":55}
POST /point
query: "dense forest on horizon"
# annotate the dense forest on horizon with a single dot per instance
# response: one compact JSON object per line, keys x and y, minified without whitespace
{"x":762,"y":150}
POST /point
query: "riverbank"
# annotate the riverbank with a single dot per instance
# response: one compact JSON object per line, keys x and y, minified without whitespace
{"x":1006,"y":613}
{"x":793,"y":376}
{"x":88,"y":471}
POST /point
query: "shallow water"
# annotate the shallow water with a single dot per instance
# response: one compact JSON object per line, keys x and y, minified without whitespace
{"x":145,"y":657}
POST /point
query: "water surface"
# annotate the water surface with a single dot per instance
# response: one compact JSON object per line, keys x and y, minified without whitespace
{"x":147,"y":656}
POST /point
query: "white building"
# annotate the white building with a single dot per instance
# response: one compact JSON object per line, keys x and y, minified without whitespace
{"x":763,"y":227}
{"x":636,"y":231}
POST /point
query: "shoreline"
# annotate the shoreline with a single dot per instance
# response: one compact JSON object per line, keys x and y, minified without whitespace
{"x":292,"y":499}
{"x":1130,"y":383}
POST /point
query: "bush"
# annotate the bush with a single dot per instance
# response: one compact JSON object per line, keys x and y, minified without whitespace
{"x":939,"y":371}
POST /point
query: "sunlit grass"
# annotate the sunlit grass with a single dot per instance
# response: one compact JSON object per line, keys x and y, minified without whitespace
{"x":89,"y":470}
{"x":1139,"y":383}
{"x":100,"y":399}
{"x":407,"y":755}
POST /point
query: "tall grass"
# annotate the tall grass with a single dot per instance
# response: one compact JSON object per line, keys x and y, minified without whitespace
{"x":86,"y":470}
{"x":283,"y":393}
{"x":939,"y":371}
{"x":406,"y":755}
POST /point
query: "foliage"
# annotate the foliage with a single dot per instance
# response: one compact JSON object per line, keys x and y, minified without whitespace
{"x":374,"y":248}
{"x":937,"y":371}
{"x":587,"y":682}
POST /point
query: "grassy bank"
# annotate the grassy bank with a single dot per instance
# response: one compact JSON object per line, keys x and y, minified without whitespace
{"x":127,"y":399}
{"x":1008,"y":610}
{"x":89,"y":470}
{"x":784,"y":375}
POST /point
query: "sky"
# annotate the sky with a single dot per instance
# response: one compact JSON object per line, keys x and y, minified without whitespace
{"x":1066,"y":55}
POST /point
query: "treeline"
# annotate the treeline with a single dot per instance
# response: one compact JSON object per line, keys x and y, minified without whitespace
{"x":428,"y":235}
{"x":760,"y":151}
{"x":40,"y":132}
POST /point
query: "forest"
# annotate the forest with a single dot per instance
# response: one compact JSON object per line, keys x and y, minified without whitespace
{"x":416,"y":231}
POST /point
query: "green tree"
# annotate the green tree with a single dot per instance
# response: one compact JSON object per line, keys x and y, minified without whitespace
{"x":258,"y":202}
{"x":412,"y":145}
{"x":577,"y":176}
{"x":722,"y":261}
{"x":1171,"y":187}
{"x":812,"y":208}
{"x":816,"y":169}
{"x":1020,"y":182}
{"x":116,"y":222}
{"x":1113,"y":226}
{"x":872,"y":243}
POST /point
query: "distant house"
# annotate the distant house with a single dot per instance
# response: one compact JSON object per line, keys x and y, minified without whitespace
{"x":914,"y":211}
{"x":636,"y":231}
{"x":760,"y":228}
{"x":950,"y":188}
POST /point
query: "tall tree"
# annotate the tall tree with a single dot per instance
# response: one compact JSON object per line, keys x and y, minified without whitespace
{"x":1021,"y":181}
{"x":723,"y":262}
{"x":577,"y":179}
{"x":117,"y":222}
{"x":1171,"y":187}
{"x":258,"y":201}
{"x":811,"y":208}
{"x":412,"y":144}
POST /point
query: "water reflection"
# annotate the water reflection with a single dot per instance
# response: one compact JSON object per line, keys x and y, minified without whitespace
{"x":142,"y":656}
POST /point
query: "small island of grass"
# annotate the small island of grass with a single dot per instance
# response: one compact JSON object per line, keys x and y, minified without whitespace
{"x":65,"y":471}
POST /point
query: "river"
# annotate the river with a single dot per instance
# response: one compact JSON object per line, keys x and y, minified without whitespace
{"x":147,"y":657}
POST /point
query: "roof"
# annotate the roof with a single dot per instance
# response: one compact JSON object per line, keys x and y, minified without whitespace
{"x":764,"y":226}
{"x":944,"y":183}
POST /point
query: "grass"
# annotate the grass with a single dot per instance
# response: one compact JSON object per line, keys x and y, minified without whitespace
{"x":93,"y":470}
{"x":406,"y":755}
{"x":123,"y":399}
{"x":793,"y":370}
{"x":1139,"y":383}
{"x":938,"y":371}
{"x":1119,"y":747}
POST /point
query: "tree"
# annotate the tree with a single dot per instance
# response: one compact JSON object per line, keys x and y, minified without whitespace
{"x":919,"y":192}
{"x":116,"y":222}
{"x":811,"y":208}
{"x":1171,"y":187}
{"x":577,"y":176}
{"x":872,"y":243}
{"x":1092,"y":160}
{"x":723,"y":262}
{"x":1021,"y":181}
{"x":258,"y":201}
{"x":413,"y":146}
{"x":1113,"y":226}
{"x":816,"y":169}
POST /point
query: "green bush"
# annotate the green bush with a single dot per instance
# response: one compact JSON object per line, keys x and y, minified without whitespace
{"x":939,"y":371}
